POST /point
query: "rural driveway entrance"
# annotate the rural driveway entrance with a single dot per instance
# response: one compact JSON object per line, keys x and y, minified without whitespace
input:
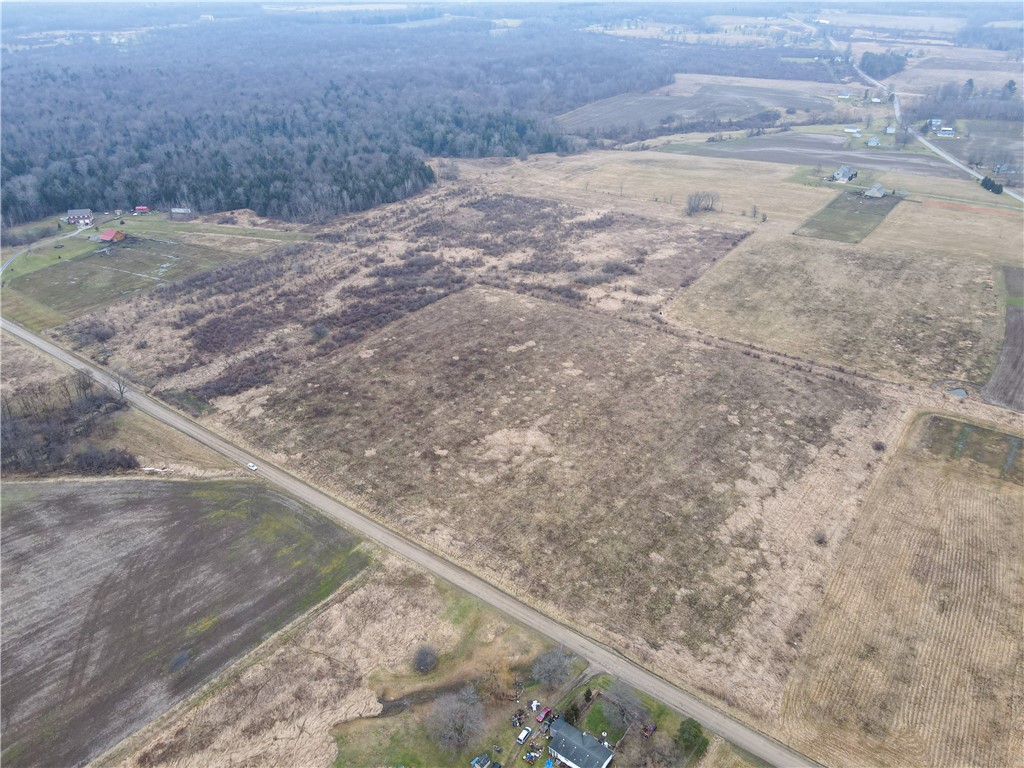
{"x":599,"y":655}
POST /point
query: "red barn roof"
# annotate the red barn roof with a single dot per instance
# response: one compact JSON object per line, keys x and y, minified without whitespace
{"x":111,"y":236}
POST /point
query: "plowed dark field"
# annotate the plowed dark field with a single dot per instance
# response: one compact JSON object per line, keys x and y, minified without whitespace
{"x":123,"y":596}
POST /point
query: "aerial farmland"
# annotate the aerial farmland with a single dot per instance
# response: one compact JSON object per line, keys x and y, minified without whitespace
{"x":673,"y":392}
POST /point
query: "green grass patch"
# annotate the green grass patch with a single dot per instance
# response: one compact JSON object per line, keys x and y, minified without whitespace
{"x":597,"y":722}
{"x":956,"y":441}
{"x":150,"y":226}
{"x":1015,"y":301}
{"x":28,"y":311}
{"x":398,"y":740}
{"x":849,"y":218}
{"x":85,"y":276}
{"x":203,"y":625}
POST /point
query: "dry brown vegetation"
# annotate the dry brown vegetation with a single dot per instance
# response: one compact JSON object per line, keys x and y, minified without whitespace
{"x":908,"y":316}
{"x":917,"y":658}
{"x":487,"y":368}
{"x":281,"y":704}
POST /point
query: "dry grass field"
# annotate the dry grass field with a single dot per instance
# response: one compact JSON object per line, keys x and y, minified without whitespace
{"x":943,"y":64}
{"x":724,"y":102}
{"x":906,"y":315}
{"x":326,"y":674}
{"x":917,"y":658}
{"x":969,"y":231}
{"x":1006,"y":386}
{"x":582,"y":462}
{"x":520,"y":369}
{"x":122,"y":596}
{"x":689,"y":85}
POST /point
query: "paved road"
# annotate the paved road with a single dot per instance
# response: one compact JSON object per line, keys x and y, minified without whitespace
{"x":28,"y":248}
{"x":899,"y":121}
{"x":599,"y":655}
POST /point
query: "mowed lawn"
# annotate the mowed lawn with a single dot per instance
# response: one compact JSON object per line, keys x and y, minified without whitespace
{"x":123,"y":596}
{"x":68,"y":288}
{"x":849,"y":218}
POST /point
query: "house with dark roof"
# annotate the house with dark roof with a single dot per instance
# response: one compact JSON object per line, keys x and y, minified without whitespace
{"x":875,"y":190}
{"x":81,"y":217}
{"x":844,"y":174}
{"x":577,"y":749}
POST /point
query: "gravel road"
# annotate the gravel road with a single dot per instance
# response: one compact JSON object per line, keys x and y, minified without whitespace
{"x":599,"y":655}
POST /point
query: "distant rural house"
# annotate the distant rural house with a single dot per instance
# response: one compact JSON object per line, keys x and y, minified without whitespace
{"x":890,"y":130}
{"x":81,"y":217}
{"x":111,"y":236}
{"x":141,"y":209}
{"x":577,"y":749}
{"x":873,"y":142}
{"x":946,"y":131}
{"x":851,"y":129}
{"x":876,"y":190}
{"x":875,"y":100}
{"x":935,"y":122}
{"x":843,"y":96}
{"x":181,"y":214}
{"x":484,"y":761}
{"x":844,"y":174}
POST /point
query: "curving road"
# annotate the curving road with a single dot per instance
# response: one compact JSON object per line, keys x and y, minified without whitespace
{"x":899,"y":120}
{"x":599,"y":655}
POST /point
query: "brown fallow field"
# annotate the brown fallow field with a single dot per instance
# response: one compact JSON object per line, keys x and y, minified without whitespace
{"x":557,"y":390}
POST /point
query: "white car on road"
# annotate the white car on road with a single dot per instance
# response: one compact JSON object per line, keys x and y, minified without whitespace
{"x":251,"y":466}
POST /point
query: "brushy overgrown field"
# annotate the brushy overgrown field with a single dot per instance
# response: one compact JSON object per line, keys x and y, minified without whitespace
{"x":917,"y":658}
{"x":528,"y":369}
{"x":122,"y":596}
{"x":647,"y":488}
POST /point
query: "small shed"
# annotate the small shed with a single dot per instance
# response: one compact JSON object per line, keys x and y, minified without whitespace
{"x":843,"y":96}
{"x":873,"y":142}
{"x":875,"y":100}
{"x":890,"y":130}
{"x":876,"y":190}
{"x":81,"y":217}
{"x":946,"y":131}
{"x":851,"y":129}
{"x":181,"y":214}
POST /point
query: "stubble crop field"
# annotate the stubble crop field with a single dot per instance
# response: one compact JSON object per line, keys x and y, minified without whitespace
{"x":917,"y":658}
{"x":903,"y":315}
{"x":122,"y":596}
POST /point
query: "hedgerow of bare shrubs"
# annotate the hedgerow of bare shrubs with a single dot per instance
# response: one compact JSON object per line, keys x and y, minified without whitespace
{"x":41,"y":426}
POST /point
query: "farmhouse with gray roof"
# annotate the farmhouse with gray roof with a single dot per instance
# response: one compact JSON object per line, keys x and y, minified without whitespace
{"x":577,"y":749}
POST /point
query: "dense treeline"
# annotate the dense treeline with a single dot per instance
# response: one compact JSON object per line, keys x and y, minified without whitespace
{"x":956,"y":101}
{"x":243,"y":116}
{"x":240,"y":113}
{"x":882,"y":65}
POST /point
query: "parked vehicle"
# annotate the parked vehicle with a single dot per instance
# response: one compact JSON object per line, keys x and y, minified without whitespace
{"x":543,"y":714}
{"x":524,"y":735}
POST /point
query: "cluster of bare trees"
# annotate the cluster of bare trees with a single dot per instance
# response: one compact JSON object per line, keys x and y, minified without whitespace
{"x":46,"y":428}
{"x":700,"y":202}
